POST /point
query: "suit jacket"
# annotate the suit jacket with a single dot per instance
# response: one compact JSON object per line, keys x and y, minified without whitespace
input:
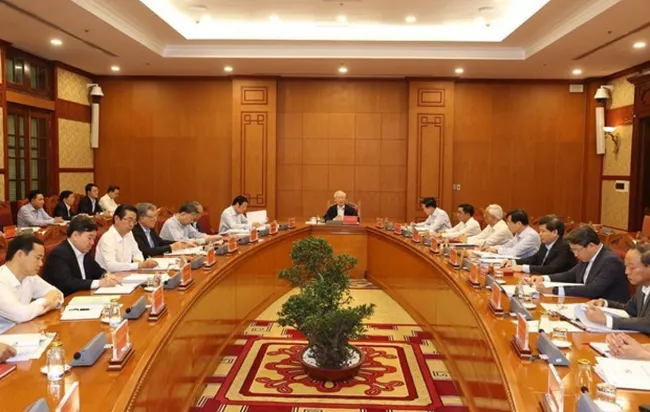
{"x":60,"y":210}
{"x":560,"y":258}
{"x":62,"y":270}
{"x":161,"y":246}
{"x":86,"y":206}
{"x":332,"y":212}
{"x":606,"y":278}
{"x":639,"y":319}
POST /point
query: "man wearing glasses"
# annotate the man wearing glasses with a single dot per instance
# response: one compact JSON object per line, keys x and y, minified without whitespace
{"x":149,"y":242}
{"x":117,"y":250}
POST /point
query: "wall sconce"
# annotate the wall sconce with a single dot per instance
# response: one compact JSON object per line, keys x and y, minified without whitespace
{"x":616,"y":138}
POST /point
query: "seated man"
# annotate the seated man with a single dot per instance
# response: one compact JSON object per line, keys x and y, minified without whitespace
{"x":63,"y":209}
{"x":625,"y":347}
{"x":6,"y":352}
{"x":600,"y":273}
{"x":117,"y":250}
{"x":199,"y":212}
{"x":553,"y":256}
{"x":525,"y":241}
{"x":23,"y":294}
{"x":340,"y":208}
{"x":437,"y":219}
{"x":149,"y":242}
{"x":637,"y":269}
{"x":496,"y":231}
{"x":70,"y":267}
{"x":89,"y":204}
{"x":32,"y":213}
{"x":107,"y":202}
{"x":467,"y":225}
{"x":179,"y":227}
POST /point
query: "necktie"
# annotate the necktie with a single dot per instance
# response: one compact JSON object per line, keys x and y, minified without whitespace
{"x":150,"y":239}
{"x":546,"y":255}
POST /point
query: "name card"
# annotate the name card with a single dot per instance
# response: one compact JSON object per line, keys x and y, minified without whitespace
{"x":186,"y":273}
{"x":274,"y":228}
{"x":157,"y":300}
{"x":417,"y":237}
{"x":232,"y":244}
{"x":435,"y":248}
{"x":453,"y":257}
{"x":398,"y":228}
{"x":10,"y":232}
{"x":121,"y":340}
{"x":522,"y":332}
{"x":254,"y":235}
{"x":211,"y":258}
{"x":495,"y":297}
{"x":350,"y":220}
{"x":474,"y":275}
{"x":379,"y":223}
{"x":292,"y":222}
{"x":555,"y":392}
{"x":70,"y":401}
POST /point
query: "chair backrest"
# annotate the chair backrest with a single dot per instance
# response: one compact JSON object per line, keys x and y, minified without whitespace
{"x":645,"y":229}
{"x":479,"y":216}
{"x":5,"y":214}
{"x":20,"y":203}
{"x":77,"y":199}
{"x":50,"y":204}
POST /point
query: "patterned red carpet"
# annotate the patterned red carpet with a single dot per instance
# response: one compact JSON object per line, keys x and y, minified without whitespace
{"x":402,"y":371}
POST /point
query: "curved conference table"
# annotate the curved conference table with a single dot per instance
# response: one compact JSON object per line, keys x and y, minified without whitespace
{"x":173,"y":355}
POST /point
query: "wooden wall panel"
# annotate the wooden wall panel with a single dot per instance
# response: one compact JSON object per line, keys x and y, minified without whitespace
{"x":167,"y":141}
{"x":430,"y":145}
{"x":345,"y":135}
{"x":520,"y":145}
{"x":254,"y":142}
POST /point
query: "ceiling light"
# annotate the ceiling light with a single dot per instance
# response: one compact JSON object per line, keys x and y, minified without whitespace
{"x":274,"y":18}
{"x":56,"y":42}
{"x":341,"y":18}
{"x":410,"y":19}
{"x":459,"y":70}
{"x":639,"y":45}
{"x":227,"y":69}
{"x":115,"y":68}
{"x":343,"y":69}
{"x":577,"y":72}
{"x":198,"y":7}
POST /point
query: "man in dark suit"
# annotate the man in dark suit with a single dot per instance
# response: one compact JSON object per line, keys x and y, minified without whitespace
{"x":149,"y":242}
{"x":199,"y":208}
{"x":554,"y":256}
{"x":63,"y":209}
{"x":340,"y":208}
{"x":637,"y":269}
{"x":89,"y":204}
{"x":70,"y":268}
{"x":600,"y":273}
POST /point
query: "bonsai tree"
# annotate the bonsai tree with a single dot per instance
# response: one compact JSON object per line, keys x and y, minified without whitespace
{"x":322,"y":310}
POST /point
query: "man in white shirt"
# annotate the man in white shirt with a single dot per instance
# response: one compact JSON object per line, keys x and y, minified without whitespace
{"x":23,"y":294}
{"x":32,"y":213}
{"x":70,"y":267}
{"x":234,"y":216}
{"x":467,"y":225}
{"x":496,"y":231}
{"x":117,"y":250}
{"x":437,"y":220}
{"x":637,"y":269}
{"x":107,"y":202}
{"x":178,"y":228}
{"x":526,"y":240}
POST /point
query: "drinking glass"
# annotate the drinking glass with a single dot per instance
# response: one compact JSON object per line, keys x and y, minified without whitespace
{"x":55,"y":363}
{"x":560,"y":334}
{"x":606,"y":393}
{"x":106,"y":313}
{"x":116,"y":314}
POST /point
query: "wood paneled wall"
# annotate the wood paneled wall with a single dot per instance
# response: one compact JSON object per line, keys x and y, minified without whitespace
{"x":166,"y":141}
{"x":342,"y":134}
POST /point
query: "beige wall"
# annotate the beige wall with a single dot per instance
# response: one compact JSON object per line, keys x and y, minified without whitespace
{"x":75,"y":181}
{"x":72,"y":87}
{"x":74,"y":144}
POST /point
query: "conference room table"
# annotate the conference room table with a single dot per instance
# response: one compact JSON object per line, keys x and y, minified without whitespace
{"x":174,"y":354}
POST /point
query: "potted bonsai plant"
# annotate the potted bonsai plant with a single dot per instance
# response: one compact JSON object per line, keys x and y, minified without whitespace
{"x":322,"y":310}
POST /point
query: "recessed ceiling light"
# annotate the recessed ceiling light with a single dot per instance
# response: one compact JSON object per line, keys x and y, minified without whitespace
{"x":56,"y":42}
{"x":460,"y":70}
{"x":639,"y":45}
{"x":115,"y":68}
{"x":343,"y":69}
{"x":410,"y":19}
{"x":341,"y":18}
{"x":227,"y":69}
{"x":274,"y":17}
{"x":577,"y":72}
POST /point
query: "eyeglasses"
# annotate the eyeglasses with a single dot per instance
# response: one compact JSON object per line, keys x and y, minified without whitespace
{"x":129,"y":220}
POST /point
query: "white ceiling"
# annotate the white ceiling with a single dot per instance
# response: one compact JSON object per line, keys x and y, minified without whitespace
{"x":97,"y":34}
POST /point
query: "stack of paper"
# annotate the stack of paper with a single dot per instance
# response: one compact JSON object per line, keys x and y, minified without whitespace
{"x":123,"y":289}
{"x":164,"y":264}
{"x":28,"y":345}
{"x":567,"y":310}
{"x":189,"y":251}
{"x":624,"y":374}
{"x":256,"y":216}
{"x":85,"y":307}
{"x":581,"y":314}
{"x":601,"y":347}
{"x":140,"y":278}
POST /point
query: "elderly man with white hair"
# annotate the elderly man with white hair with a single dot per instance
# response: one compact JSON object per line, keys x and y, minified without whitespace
{"x":340,"y":208}
{"x":496,"y":231}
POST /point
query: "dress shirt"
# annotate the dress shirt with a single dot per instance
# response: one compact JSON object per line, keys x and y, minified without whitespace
{"x":174,"y":231}
{"x":340,"y":210}
{"x":107,"y":203}
{"x":469,"y":228}
{"x":609,"y":321}
{"x":147,"y":233}
{"x":16,"y":302}
{"x":437,"y":221}
{"x":116,"y":253}
{"x":560,"y":289}
{"x":492,"y":235}
{"x":80,"y":262}
{"x":525,"y":243}
{"x":30,"y":217}
{"x":526,"y":268}
{"x":230,"y":219}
